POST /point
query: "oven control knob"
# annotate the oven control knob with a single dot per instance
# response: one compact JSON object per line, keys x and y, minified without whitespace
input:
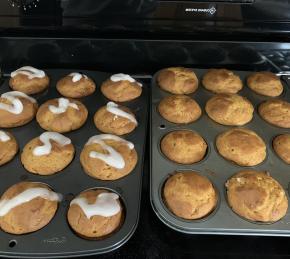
{"x":24,"y":4}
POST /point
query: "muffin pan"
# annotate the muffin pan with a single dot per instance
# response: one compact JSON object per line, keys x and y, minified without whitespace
{"x":214,"y":166}
{"x":57,"y":239}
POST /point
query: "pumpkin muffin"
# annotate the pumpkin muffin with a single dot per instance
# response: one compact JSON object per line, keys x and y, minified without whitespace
{"x":47,"y":154}
{"x":256,"y":196}
{"x":265,"y":83}
{"x":276,"y":112}
{"x":108,"y":157}
{"x":183,"y":146}
{"x":27,"y":207}
{"x":29,"y":80}
{"x":281,"y":145}
{"x":75,"y":85}
{"x":229,"y":109}
{"x":16,"y":109}
{"x":241,"y":146}
{"x":177,"y":80}
{"x":8,"y":147}
{"x":179,"y":109}
{"x":61,"y":115}
{"x":189,"y":195}
{"x":121,"y":88}
{"x":95,"y":214}
{"x":222,"y":81}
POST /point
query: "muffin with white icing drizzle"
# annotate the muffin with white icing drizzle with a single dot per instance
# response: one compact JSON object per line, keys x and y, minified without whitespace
{"x":8,"y":147}
{"x":29,"y":80}
{"x":115,"y":119}
{"x":108,"y":157}
{"x":121,"y":88}
{"x":95,"y":214}
{"x":47,"y":154}
{"x":75,"y":85}
{"x":62,"y":115}
{"x":16,"y":109}
{"x":27,"y":207}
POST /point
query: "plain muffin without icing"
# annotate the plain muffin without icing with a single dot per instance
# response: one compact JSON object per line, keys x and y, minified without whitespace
{"x":177,"y":80}
{"x":121,"y":88}
{"x":222,"y":81}
{"x":241,"y":146}
{"x":189,"y":195}
{"x":256,"y":196}
{"x":108,"y":157}
{"x":28,"y":212}
{"x":281,"y":145}
{"x":8,"y":147}
{"x":183,"y":146}
{"x":179,"y":109}
{"x":115,"y":119}
{"x":276,"y":112}
{"x":105,"y":214}
{"x":229,"y":109}
{"x":75,"y":85}
{"x":47,"y":154}
{"x":61,"y":115}
{"x":265,"y":83}
{"x":29,"y":80}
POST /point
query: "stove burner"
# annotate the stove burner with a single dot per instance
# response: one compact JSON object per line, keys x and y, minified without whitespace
{"x":25,"y":4}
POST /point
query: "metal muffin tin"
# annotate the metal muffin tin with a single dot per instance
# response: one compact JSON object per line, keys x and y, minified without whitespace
{"x":223,"y":220}
{"x":57,"y":239}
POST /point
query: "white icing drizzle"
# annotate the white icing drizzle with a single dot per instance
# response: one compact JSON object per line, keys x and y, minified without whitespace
{"x":113,"y":108}
{"x":30,"y":72}
{"x":4,"y":137}
{"x":106,"y":205}
{"x":45,"y":139}
{"x":16,"y":106}
{"x":26,"y":196}
{"x":123,"y":77}
{"x":77,"y":76}
{"x":63,"y":104}
{"x":114,"y":158}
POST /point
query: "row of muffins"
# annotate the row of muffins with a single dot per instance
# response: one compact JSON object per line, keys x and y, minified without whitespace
{"x":26,"y":207}
{"x":253,"y":195}
{"x":241,"y":146}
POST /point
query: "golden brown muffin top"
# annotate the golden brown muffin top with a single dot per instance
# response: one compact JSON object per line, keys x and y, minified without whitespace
{"x":222,"y":81}
{"x":276,"y":112}
{"x":265,"y":83}
{"x":281,"y":145}
{"x":229,"y":109}
{"x":189,"y":195}
{"x":256,"y":196}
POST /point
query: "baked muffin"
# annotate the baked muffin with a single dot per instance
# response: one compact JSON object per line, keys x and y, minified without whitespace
{"x":179,"y":109}
{"x":95,"y":214}
{"x":222,"y":81}
{"x":265,"y":83}
{"x":281,"y":145}
{"x":27,"y":207}
{"x":276,"y":112}
{"x":108,"y":157}
{"x":8,"y":147}
{"x":189,"y":195}
{"x":121,"y":88}
{"x":183,"y":146}
{"x":256,"y":196}
{"x":29,"y":80}
{"x":16,"y":109}
{"x":115,"y":119}
{"x":229,"y":109}
{"x":177,"y":80}
{"x":75,"y":85}
{"x":61,"y":115}
{"x":47,"y":154}
{"x":241,"y":146}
